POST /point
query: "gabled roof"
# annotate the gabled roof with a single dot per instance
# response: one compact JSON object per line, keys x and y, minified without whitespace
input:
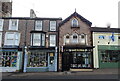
{"x":75,"y":14}
{"x":101,"y":29}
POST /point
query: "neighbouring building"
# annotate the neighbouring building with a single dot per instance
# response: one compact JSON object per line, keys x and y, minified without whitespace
{"x":28,"y":44}
{"x":75,"y":43}
{"x":5,"y":8}
{"x":106,"y":53}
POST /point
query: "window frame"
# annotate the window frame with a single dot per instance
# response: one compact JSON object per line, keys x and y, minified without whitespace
{"x":13,"y":39}
{"x":36,"y":21}
{"x":1,"y":24}
{"x":54,"y":40}
{"x":10,"y":24}
{"x":52,"y":27}
{"x":73,"y":24}
{"x":40,"y":41}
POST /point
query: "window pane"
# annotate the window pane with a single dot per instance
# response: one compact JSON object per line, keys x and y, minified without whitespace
{"x":13,"y":25}
{"x":52,"y":40}
{"x":38,"y":25}
{"x":37,"y":59}
{"x":52,"y":25}
{"x":1,"y":24}
{"x":74,"y":23}
{"x":36,"y":39}
{"x":43,"y":39}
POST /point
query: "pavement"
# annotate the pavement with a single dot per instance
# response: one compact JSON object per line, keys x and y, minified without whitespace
{"x":95,"y":74}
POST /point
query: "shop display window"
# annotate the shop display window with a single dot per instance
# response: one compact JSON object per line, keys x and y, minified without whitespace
{"x":37,"y":59}
{"x":110,"y":56}
{"x":9,"y":59}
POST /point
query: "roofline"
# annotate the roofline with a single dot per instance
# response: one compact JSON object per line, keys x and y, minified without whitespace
{"x":29,"y":18}
{"x":105,"y":29}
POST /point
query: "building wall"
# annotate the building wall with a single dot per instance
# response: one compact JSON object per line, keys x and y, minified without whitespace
{"x":66,"y":29}
{"x":103,"y":42}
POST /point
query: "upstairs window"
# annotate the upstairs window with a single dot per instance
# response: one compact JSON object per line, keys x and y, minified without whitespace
{"x":67,"y":39}
{"x":38,"y":39}
{"x":1,"y":24}
{"x":74,"y":23}
{"x":75,"y":39}
{"x":12,"y":38}
{"x":52,"y":40}
{"x":52,"y":25}
{"x":38,"y":25}
{"x":13,"y":24}
{"x":82,"y":39}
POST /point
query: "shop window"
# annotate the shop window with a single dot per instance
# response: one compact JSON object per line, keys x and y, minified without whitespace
{"x":110,"y":56}
{"x":9,"y":59}
{"x":38,"y":25}
{"x":37,"y":59}
{"x":13,"y":24}
{"x":1,"y":24}
{"x":52,"y":25}
{"x":52,"y":40}
{"x":12,"y":38}
{"x":0,"y":39}
{"x":74,"y":23}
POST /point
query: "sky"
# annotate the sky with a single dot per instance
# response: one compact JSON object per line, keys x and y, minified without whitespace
{"x":100,"y":12}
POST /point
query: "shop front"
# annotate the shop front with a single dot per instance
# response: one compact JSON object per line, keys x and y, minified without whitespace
{"x":109,"y":56}
{"x":76,"y":58}
{"x":11,"y":60}
{"x":41,"y":60}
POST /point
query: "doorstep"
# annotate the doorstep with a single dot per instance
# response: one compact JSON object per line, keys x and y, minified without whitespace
{"x":81,"y":69}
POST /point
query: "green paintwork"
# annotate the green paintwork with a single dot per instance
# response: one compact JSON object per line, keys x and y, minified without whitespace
{"x":108,"y":64}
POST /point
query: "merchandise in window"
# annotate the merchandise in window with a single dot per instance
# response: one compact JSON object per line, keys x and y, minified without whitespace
{"x":13,"y":25}
{"x":110,"y":56}
{"x":52,"y":40}
{"x":9,"y":59}
{"x":52,"y":25}
{"x":38,"y":25}
{"x":37,"y":59}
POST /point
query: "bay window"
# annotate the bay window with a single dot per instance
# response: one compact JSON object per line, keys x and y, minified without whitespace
{"x":12,"y":38}
{"x":38,"y":39}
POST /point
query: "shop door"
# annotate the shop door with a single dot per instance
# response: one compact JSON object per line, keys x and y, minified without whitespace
{"x":66,"y":61}
{"x":51,"y":62}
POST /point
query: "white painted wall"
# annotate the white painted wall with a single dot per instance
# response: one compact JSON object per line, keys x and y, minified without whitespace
{"x":102,"y":42}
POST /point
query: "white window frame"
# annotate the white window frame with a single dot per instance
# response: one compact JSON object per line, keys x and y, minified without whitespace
{"x":1,"y":24}
{"x":53,"y":26}
{"x":82,"y":40}
{"x":66,"y":40}
{"x":11,"y":26}
{"x":38,"y":25}
{"x":15,"y":40}
{"x":52,"y":40}
{"x":38,"y":39}
{"x":0,"y":39}
{"x":73,"y":40}
{"x":76,"y":24}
